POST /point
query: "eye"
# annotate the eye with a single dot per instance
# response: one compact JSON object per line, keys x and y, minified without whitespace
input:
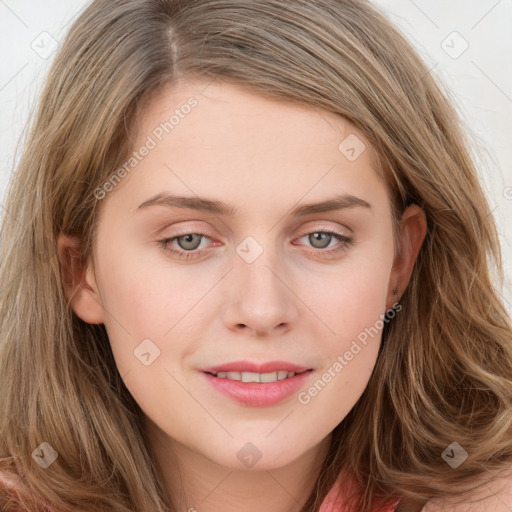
{"x":321,"y":239}
{"x":188,"y":244}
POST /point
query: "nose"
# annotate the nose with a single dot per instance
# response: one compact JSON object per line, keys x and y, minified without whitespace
{"x":260,"y":298}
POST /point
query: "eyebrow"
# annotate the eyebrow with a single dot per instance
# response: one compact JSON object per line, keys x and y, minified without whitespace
{"x":223,"y":209}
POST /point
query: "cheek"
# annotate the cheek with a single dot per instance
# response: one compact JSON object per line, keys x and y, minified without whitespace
{"x":134,"y":308}
{"x":352,"y":315}
{"x":139,"y":292}
{"x":149,"y":308}
{"x":353,"y":300}
{"x":348,"y":356}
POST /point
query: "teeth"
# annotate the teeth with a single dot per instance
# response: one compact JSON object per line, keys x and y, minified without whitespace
{"x":250,"y":377}
{"x":256,"y":377}
{"x":269,"y":377}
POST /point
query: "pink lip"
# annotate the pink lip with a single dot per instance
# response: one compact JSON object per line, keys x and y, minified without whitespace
{"x":249,"y":366}
{"x":257,"y":394}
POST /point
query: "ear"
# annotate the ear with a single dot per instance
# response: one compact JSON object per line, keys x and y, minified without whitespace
{"x":79,"y":281}
{"x":412,"y":232}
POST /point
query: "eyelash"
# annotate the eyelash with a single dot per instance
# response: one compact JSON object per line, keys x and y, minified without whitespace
{"x":346,"y":242}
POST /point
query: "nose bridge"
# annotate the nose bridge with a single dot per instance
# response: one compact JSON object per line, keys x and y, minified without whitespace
{"x":257,"y":269}
{"x":258,"y":294}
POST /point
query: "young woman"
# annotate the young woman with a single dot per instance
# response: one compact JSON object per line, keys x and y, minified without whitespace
{"x":247,"y":265}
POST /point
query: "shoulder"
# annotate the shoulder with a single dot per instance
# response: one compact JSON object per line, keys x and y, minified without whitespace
{"x":492,"y":496}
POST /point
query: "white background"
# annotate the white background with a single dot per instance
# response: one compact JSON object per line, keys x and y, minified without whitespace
{"x":480,"y":79}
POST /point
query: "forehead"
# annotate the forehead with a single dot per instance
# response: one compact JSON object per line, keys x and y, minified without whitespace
{"x":226,"y":114}
{"x":219,"y":139}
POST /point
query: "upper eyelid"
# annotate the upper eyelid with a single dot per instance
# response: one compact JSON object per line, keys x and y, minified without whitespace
{"x":307,"y":229}
{"x":319,"y":229}
{"x":302,"y":232}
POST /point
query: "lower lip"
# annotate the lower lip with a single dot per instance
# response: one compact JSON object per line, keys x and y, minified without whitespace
{"x":256,"y":394}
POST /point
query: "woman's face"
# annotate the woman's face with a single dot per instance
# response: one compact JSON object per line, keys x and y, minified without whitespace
{"x":279,"y":257}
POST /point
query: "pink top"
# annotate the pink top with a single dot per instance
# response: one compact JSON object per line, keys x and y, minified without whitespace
{"x":334,"y":500}
{"x":330,"y":504}
{"x":15,"y":485}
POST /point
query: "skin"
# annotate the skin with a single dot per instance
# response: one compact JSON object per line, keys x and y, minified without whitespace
{"x":292,"y":303}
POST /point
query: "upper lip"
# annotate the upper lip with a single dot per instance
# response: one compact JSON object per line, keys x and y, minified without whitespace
{"x":249,"y":366}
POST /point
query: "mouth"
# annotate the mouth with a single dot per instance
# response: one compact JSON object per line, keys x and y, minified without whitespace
{"x":271,"y":385}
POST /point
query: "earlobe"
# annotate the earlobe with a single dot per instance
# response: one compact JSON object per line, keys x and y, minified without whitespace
{"x":412,"y":232}
{"x":78,"y":281}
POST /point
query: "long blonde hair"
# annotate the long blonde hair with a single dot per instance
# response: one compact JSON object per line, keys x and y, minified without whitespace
{"x":445,"y":363}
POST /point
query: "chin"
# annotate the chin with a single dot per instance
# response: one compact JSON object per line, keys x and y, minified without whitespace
{"x":251,"y":456}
